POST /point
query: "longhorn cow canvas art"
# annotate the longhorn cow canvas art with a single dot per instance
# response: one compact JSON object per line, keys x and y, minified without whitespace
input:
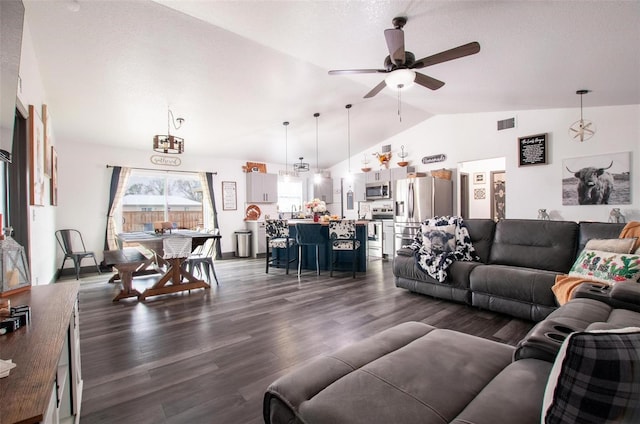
{"x":597,"y":180}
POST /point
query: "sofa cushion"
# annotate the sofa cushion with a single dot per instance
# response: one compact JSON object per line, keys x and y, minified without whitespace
{"x":606,"y":267}
{"x":616,"y":245}
{"x":418,"y":381}
{"x":538,"y":244}
{"x":515,"y":395}
{"x":597,"y":230}
{"x":481,"y":232}
{"x":595,"y":379}
{"x":521,"y":292}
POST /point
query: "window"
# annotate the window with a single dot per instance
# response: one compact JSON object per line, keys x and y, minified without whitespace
{"x":152,"y":196}
{"x":290,"y":195}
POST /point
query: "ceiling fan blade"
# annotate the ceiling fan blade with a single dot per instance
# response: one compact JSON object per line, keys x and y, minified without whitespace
{"x":454,"y":53}
{"x":395,"y":43}
{"x":357,"y":71}
{"x":378,"y":88}
{"x":427,"y":81}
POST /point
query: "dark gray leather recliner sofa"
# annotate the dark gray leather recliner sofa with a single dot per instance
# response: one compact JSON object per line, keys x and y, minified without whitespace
{"x":519,"y":260}
{"x":414,"y":373}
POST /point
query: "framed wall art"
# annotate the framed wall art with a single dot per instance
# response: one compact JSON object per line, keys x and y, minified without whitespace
{"x":229,"y":196}
{"x":54,"y":177}
{"x":532,"y":150}
{"x":36,"y":158}
{"x":498,"y":195}
{"x":46,"y":124}
{"x":478,"y":177}
{"x":597,"y":180}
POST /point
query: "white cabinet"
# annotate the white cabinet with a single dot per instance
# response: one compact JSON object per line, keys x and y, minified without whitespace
{"x":66,"y":397}
{"x":387,"y":238}
{"x":262,"y":188}
{"x":359,"y":188}
{"x":258,"y":237}
{"x":324,"y":190}
{"x":381,"y":175}
{"x":398,"y":173}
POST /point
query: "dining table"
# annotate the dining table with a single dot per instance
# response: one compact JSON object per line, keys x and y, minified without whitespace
{"x":174,"y":277}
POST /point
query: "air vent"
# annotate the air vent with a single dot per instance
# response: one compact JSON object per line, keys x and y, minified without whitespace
{"x":386,"y":148}
{"x":505,"y":124}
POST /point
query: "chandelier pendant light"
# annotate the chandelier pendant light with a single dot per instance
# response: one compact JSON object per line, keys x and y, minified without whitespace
{"x":169,"y":144}
{"x":301,"y":166}
{"x":582,"y":129}
{"x":317,"y":178}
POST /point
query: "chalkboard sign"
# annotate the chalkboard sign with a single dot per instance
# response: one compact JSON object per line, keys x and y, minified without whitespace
{"x":533,"y":150}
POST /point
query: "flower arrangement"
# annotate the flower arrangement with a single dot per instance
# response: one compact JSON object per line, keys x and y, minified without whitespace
{"x":316,"y":205}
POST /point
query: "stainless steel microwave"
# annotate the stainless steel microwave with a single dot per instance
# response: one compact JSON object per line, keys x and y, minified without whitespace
{"x":379,"y":190}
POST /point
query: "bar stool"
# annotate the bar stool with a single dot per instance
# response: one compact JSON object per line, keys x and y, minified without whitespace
{"x":309,"y":235}
{"x":278,"y":239}
{"x":342,"y":236}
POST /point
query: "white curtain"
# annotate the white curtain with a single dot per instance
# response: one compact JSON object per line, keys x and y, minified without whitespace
{"x":207,"y":210}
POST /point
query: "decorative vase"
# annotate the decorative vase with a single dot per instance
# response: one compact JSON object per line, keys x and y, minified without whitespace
{"x":316,"y":217}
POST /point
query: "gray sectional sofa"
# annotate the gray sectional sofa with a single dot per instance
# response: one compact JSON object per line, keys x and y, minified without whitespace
{"x":414,"y":373}
{"x":519,"y":260}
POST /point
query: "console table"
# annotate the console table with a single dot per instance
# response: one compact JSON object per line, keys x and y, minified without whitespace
{"x":46,"y":384}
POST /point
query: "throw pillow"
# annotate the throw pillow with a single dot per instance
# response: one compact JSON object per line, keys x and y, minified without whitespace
{"x":618,"y":245}
{"x":595,"y":379}
{"x":439,"y":239}
{"x":606,"y":267}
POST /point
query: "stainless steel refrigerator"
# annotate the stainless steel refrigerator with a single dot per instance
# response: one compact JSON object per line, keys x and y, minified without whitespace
{"x":417,"y":199}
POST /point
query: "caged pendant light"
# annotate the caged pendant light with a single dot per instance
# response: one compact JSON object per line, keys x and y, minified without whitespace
{"x":582,"y":129}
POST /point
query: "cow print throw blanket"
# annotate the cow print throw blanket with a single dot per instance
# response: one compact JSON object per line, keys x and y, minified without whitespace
{"x":441,"y":241}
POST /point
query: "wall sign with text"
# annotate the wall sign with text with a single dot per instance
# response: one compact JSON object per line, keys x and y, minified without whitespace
{"x":532,"y":150}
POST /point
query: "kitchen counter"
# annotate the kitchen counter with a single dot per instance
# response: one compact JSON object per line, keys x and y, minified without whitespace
{"x":343,"y":258}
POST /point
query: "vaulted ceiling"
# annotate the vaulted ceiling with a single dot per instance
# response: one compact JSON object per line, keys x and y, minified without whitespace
{"x":235,"y":70}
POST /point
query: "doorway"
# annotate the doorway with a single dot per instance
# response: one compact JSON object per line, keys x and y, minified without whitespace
{"x":464,"y":195}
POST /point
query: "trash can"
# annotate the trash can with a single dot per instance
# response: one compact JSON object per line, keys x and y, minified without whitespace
{"x":243,"y":243}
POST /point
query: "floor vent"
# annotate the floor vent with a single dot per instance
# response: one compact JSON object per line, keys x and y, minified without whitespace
{"x":506,"y":124}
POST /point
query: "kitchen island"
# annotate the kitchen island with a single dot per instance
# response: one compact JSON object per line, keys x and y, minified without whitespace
{"x":343,"y":258}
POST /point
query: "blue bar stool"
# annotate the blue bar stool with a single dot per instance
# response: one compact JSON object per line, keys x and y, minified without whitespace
{"x":309,"y":235}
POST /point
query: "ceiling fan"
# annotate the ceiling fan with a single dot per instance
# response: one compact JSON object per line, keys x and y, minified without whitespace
{"x":400,"y":64}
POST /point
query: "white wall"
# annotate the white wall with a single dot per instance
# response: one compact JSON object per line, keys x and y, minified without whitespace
{"x":468,"y":137}
{"x":84,"y":187}
{"x":41,"y":218}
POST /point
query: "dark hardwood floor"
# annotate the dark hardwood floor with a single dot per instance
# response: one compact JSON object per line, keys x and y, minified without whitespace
{"x":207,"y":356}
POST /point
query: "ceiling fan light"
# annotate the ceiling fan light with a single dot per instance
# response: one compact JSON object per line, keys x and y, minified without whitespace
{"x":400,"y":78}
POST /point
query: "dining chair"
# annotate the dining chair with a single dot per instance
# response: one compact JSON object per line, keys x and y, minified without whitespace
{"x":73,"y":247}
{"x":310,"y":235}
{"x":278,"y":240}
{"x":342,"y":236}
{"x":202,"y":259}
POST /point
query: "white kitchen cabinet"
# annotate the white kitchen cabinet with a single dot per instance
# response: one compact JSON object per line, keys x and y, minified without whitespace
{"x":358,"y":187}
{"x":262,"y":188}
{"x":323,"y":190}
{"x":387,"y":238}
{"x":380,"y":175}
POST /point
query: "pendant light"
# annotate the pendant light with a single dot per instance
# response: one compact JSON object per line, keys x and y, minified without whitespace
{"x":167,"y":143}
{"x":286,"y":151}
{"x":317,"y":177}
{"x":582,"y":129}
{"x":349,"y":175}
